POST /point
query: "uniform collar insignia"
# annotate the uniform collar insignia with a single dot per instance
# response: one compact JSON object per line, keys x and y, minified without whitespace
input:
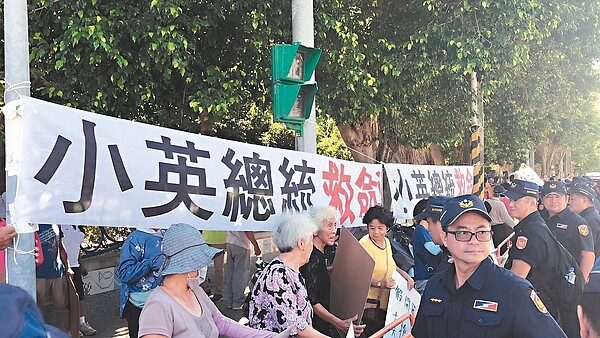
{"x":485,"y":305}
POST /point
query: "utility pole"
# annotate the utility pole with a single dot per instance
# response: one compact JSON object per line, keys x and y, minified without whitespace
{"x":477,"y":129}
{"x":20,"y":270}
{"x":303,"y":31}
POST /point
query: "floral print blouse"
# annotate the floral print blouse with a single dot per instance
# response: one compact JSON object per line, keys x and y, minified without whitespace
{"x":280,"y":300}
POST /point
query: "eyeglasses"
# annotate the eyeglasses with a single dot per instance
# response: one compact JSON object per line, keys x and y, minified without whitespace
{"x":465,"y":236}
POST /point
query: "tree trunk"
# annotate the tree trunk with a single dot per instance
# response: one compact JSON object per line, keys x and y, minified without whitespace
{"x":367,"y":145}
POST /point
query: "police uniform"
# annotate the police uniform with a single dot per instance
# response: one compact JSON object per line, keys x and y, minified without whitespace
{"x":493,"y":302}
{"x":533,"y":245}
{"x":572,"y":231}
{"x":592,"y":218}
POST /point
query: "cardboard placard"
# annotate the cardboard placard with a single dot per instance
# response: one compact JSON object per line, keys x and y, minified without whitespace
{"x":350,"y":277}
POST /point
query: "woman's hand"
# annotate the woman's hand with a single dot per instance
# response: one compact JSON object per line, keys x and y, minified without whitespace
{"x":358,"y":329}
{"x":388,"y":283}
{"x":410,"y":283}
{"x":344,"y":324}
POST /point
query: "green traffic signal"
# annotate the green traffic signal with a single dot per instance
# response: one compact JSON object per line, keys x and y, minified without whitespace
{"x":293,"y":98}
{"x":293,"y":102}
{"x":293,"y":63}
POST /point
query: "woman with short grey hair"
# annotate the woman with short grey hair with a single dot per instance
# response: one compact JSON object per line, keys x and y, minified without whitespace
{"x":317,"y":279}
{"x":293,"y":228}
{"x":279,"y":298}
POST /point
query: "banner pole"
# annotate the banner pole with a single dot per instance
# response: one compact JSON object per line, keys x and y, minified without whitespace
{"x":20,"y":268}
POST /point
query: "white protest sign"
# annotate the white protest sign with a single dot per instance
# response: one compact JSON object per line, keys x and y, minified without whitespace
{"x":74,"y":167}
{"x":411,"y":183}
{"x":401,"y":302}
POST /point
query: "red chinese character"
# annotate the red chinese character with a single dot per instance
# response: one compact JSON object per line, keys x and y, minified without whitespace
{"x":337,"y":186}
{"x":460,"y":181}
{"x":368,"y":196}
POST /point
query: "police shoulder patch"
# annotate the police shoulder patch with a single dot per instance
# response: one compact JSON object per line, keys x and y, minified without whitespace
{"x":521,"y":242}
{"x":538,"y":302}
{"x":583,"y":230}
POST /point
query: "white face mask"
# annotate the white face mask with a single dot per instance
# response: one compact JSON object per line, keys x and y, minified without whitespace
{"x":196,"y":281}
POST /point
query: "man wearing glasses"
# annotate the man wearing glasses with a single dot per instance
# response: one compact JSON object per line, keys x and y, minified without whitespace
{"x":474,"y":297}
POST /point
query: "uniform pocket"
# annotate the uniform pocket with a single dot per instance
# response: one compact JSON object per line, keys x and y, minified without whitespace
{"x":436,"y":325}
{"x":484,"y":318}
{"x":433,"y":310}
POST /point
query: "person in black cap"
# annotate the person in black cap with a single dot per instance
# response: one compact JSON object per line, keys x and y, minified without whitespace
{"x":571,"y":230}
{"x":581,"y":199}
{"x":531,"y":254}
{"x":426,"y":252}
{"x":588,"y":311}
{"x":474,"y":297}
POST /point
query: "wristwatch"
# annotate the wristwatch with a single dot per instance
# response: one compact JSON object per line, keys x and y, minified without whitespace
{"x":378,"y":284}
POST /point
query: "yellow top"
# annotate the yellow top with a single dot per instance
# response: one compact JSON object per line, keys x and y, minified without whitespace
{"x":384,"y":267}
{"x":214,"y":237}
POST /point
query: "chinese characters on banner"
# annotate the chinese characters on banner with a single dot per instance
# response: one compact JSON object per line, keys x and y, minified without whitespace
{"x":77,"y":167}
{"x":401,"y":302}
{"x":411,"y":183}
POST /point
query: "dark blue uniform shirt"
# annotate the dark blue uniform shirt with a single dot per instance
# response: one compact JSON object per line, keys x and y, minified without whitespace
{"x":425,"y":262}
{"x":492,"y":303}
{"x":592,"y":217}
{"x":572,"y":231}
{"x":533,"y":245}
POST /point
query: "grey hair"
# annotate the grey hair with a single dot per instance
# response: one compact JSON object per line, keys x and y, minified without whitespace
{"x":322,"y":214}
{"x":291,"y":228}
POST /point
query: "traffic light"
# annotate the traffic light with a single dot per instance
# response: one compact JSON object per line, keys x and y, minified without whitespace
{"x":292,"y":67}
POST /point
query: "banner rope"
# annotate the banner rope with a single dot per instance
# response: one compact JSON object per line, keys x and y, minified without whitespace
{"x":19,"y":251}
{"x":20,"y":85}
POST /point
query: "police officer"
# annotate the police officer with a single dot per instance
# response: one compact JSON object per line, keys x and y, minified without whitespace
{"x":474,"y":297}
{"x":589,"y":309}
{"x":531,"y":254}
{"x":427,"y":251}
{"x":581,"y":200}
{"x":571,"y":230}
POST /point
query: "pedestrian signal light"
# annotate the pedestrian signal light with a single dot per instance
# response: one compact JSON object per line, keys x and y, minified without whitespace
{"x":293,"y":92}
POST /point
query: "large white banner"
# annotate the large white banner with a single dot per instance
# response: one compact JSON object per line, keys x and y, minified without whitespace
{"x":411,"y":183}
{"x":76,"y":167}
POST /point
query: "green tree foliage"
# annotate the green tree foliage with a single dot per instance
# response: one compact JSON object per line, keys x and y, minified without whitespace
{"x":394,"y":74}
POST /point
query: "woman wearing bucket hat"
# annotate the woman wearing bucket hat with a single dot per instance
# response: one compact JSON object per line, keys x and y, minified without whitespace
{"x":180,"y":307}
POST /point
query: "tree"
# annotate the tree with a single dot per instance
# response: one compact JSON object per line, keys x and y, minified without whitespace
{"x":393,"y":76}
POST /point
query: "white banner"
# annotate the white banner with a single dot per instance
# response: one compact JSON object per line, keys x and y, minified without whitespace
{"x":411,"y":183}
{"x":81,"y":168}
{"x":401,"y":302}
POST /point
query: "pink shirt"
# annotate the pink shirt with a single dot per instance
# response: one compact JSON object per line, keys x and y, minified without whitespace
{"x":163,"y":315}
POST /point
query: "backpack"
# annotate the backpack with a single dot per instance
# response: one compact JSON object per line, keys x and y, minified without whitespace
{"x":567,"y":287}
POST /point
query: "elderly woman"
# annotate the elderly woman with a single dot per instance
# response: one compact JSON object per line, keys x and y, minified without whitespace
{"x":279,"y":298}
{"x":316,"y":276}
{"x":379,"y":221}
{"x":180,"y":307}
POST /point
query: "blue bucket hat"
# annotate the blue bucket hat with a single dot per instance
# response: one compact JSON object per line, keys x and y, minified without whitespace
{"x":185,"y":250}
{"x":21,"y":316}
{"x":521,"y":188}
{"x":434,"y":206}
{"x":457,"y":206}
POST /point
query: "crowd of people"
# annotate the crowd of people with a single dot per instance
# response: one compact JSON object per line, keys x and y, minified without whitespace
{"x":525,"y":294}
{"x":483,"y":267}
